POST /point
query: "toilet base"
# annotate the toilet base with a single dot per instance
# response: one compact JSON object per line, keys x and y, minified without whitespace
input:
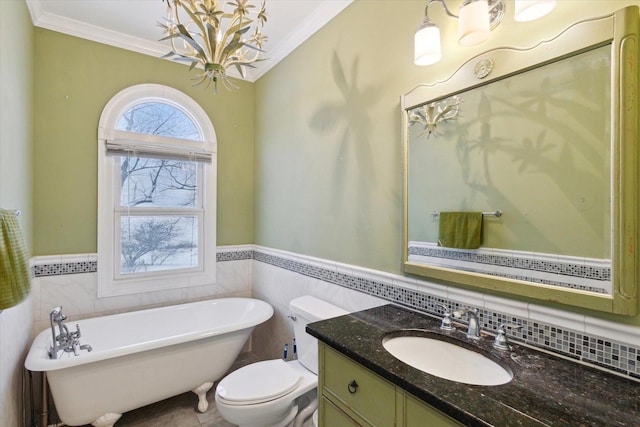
{"x":286,"y":422}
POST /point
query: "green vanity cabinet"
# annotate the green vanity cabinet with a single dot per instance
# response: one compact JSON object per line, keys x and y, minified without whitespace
{"x":331,"y":415}
{"x":352,"y":395}
{"x":419,"y":414}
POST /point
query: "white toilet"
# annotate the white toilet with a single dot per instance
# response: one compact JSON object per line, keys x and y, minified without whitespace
{"x":270,"y":393}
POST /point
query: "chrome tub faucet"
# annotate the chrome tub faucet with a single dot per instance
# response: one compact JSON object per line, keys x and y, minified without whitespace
{"x":69,"y":342}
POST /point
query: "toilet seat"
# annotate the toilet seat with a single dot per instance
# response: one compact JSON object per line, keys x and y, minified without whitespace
{"x":258,"y":383}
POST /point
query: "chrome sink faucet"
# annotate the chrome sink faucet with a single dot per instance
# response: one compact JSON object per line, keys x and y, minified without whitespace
{"x":473,"y":332}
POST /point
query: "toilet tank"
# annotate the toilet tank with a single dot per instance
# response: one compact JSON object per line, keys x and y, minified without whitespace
{"x":307,"y":309}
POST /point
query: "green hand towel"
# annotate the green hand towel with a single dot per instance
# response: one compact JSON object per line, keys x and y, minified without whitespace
{"x":15,"y":281}
{"x":461,"y":230}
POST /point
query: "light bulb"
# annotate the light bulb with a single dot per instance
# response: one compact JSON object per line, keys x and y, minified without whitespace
{"x":427,"y":48}
{"x":473,"y":24}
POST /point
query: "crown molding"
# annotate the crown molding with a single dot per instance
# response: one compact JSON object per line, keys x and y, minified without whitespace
{"x":72,"y":27}
{"x":326,"y":11}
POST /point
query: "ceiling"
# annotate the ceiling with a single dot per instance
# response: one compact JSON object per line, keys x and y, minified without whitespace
{"x":133,"y":24}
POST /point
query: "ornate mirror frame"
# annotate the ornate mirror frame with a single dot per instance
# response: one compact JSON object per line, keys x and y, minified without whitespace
{"x":622,"y":31}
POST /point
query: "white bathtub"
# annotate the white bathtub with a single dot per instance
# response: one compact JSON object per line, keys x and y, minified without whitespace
{"x":145,"y":356}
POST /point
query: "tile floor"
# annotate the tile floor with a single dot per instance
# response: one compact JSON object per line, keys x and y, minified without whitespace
{"x":181,"y":410}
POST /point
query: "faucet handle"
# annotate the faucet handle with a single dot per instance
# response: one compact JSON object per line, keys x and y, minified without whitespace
{"x":501,"y":342}
{"x":447,"y":324}
{"x":77,"y":333}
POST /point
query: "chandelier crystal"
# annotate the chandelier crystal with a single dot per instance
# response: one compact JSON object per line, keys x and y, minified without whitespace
{"x":205,"y":35}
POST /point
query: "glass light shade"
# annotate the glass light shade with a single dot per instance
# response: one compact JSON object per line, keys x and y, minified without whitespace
{"x":427,"y":48}
{"x":528,"y":10}
{"x":473,"y":23}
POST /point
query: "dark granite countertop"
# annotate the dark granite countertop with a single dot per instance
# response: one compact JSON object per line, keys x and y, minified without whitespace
{"x":545,"y":390}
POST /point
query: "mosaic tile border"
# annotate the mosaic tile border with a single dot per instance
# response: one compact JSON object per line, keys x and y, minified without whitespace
{"x":616,"y":357}
{"x":234,"y":255}
{"x":526,"y":263}
{"x":550,"y":282}
{"x":529,"y":266}
{"x":57,"y":269}
{"x":77,"y":267}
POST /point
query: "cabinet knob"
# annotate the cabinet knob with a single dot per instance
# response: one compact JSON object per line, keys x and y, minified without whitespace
{"x":352,"y":386}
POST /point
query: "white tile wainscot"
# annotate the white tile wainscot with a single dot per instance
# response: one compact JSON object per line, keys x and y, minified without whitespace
{"x":278,"y":276}
{"x":68,"y":281}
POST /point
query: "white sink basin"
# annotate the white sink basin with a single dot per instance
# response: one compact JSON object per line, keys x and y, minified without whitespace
{"x":446,"y":360}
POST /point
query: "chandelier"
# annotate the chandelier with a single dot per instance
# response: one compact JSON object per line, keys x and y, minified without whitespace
{"x":205,"y":35}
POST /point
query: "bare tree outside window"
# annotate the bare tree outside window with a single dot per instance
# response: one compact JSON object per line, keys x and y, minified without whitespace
{"x":158,"y":241}
{"x":152,"y":243}
{"x":155,"y":118}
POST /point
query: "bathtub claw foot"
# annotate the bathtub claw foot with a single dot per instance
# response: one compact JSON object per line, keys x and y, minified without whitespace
{"x":107,"y":420}
{"x":201,"y":391}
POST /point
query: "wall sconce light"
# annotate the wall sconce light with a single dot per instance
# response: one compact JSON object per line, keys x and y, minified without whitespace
{"x":476,"y":18}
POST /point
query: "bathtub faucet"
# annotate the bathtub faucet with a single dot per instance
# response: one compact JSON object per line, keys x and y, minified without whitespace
{"x":69,"y":342}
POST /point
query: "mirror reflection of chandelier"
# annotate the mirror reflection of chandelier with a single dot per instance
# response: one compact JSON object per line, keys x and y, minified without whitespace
{"x":430,"y":115}
{"x":215,"y":36}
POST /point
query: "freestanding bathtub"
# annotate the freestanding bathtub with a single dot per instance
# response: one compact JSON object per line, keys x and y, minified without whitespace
{"x":145,"y":356}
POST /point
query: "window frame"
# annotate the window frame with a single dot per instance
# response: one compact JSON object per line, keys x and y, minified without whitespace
{"x":110,"y":282}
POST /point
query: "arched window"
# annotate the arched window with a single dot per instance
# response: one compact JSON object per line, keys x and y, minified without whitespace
{"x":156,"y":192}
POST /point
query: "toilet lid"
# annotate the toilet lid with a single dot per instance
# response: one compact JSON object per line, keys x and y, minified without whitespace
{"x":258,"y":382}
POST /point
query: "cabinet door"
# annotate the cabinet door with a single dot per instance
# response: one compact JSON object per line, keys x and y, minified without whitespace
{"x":358,"y":389}
{"x":332,"y":416}
{"x":419,"y":414}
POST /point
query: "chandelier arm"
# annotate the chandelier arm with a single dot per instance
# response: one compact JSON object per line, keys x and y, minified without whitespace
{"x":233,"y":28}
{"x":444,"y":6}
{"x":176,"y":24}
{"x":234,"y":44}
{"x":254,"y":59}
{"x":220,"y":55}
{"x":185,"y":35}
{"x":242,"y":61}
{"x":211,"y":40}
{"x":203,"y":30}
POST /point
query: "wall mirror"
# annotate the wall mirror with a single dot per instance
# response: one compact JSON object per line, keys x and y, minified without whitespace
{"x":542,"y":145}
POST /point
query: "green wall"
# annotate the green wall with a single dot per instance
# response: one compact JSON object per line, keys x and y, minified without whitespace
{"x":321,"y":174}
{"x":16,"y":112}
{"x":328,"y":139}
{"x":328,"y":168}
{"x":74,"y":79}
{"x":16,"y":153}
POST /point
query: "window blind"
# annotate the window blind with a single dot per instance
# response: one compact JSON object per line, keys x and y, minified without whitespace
{"x":120,"y":147}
